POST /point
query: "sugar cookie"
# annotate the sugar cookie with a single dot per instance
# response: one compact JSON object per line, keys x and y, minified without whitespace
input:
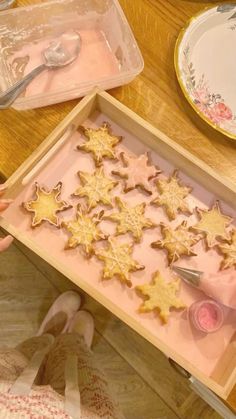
{"x":229,"y":252}
{"x":84,"y":231}
{"x":130,"y":219}
{"x":212,"y":224}
{"x":172,"y":195}
{"x":161,"y":296}
{"x":178,"y":242}
{"x":137,"y":172}
{"x":46,"y":205}
{"x":96,"y":188}
{"x":118,"y":261}
{"x":100,"y":142}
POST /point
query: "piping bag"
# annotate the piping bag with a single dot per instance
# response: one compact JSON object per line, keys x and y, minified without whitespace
{"x":220,"y":286}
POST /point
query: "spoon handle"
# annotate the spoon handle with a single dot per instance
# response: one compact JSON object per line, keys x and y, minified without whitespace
{"x":10,"y":95}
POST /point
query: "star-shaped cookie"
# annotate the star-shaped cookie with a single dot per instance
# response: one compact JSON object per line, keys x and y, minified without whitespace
{"x":137,"y":172}
{"x":100,"y":142}
{"x":118,"y":261}
{"x":229,"y":252}
{"x":46,"y":205}
{"x":212,"y":224}
{"x":95,"y":187}
{"x":178,"y":242}
{"x":130,"y":219}
{"x":172,"y":196}
{"x":84,"y":231}
{"x":161,"y":296}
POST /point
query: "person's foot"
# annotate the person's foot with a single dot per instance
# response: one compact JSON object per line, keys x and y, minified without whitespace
{"x":83,"y":324}
{"x":60,"y":314}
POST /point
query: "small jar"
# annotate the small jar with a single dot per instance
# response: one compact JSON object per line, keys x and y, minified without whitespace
{"x":206,"y":315}
{"x":6,"y":4}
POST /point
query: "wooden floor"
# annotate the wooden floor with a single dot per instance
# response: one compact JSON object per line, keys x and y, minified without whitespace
{"x":145,"y":384}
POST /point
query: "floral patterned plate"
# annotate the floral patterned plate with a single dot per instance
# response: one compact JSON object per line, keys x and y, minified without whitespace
{"x":205,"y":63}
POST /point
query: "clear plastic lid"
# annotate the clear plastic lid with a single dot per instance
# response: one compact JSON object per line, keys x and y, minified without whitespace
{"x":109,"y":54}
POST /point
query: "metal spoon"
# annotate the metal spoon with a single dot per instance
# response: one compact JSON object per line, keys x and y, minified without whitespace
{"x":58,"y":54}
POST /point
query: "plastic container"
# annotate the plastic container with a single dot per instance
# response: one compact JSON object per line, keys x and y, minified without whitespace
{"x":109,"y":55}
{"x":206,"y":315}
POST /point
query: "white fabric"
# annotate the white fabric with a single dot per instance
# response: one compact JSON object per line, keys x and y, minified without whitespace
{"x":24,"y":382}
{"x":22,"y":400}
{"x":41,"y":403}
{"x":72,"y":394}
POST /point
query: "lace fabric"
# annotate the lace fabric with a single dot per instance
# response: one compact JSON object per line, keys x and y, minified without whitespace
{"x":69,"y":369}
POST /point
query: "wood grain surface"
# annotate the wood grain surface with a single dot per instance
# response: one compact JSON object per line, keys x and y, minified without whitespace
{"x":155,"y":95}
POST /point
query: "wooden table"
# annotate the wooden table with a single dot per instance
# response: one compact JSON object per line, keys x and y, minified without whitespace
{"x":155,"y":95}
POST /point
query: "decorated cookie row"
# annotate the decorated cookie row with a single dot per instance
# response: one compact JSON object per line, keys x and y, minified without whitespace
{"x":179,"y":241}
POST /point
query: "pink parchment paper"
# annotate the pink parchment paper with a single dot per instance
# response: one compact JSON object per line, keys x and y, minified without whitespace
{"x":203,"y":351}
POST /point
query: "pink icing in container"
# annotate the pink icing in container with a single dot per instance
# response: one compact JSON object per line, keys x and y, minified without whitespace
{"x":206,"y":315}
{"x":109,"y":54}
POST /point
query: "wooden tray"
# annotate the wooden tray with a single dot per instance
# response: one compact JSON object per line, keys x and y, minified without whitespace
{"x":212,"y":358}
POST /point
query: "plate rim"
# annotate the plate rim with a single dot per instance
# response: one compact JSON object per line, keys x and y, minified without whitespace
{"x":178,"y":43}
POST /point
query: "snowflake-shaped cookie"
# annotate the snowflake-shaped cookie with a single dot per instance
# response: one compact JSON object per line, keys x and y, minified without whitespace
{"x":178,"y":242}
{"x":95,"y":187}
{"x":229,"y":252}
{"x":172,"y":195}
{"x":100,"y":142}
{"x":213,"y":224}
{"x":130,"y":219}
{"x":84,"y":231}
{"x":161,"y":296}
{"x":137,"y":172}
{"x":118,"y":261}
{"x":46,"y":205}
